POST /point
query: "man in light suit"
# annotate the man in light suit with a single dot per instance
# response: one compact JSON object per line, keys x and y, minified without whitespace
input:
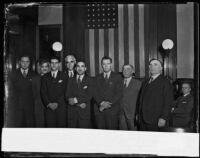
{"x":36,"y":84}
{"x":21,"y":95}
{"x":131,"y":88}
{"x":79,"y":93}
{"x":107,"y":94}
{"x":53,"y":87}
{"x":156,"y":99}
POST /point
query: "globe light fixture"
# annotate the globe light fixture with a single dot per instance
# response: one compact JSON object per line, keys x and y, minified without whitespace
{"x":57,"y":46}
{"x":167,"y":44}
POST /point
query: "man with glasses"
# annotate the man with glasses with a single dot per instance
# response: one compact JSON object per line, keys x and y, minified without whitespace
{"x":53,"y":86}
{"x":70,"y":62}
{"x":21,"y":96}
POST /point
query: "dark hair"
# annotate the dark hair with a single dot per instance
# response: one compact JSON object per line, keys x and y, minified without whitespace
{"x":55,"y":57}
{"x":106,"y":58}
{"x":156,"y":60}
{"x":25,"y":55}
{"x":42,"y":61}
{"x":81,"y":61}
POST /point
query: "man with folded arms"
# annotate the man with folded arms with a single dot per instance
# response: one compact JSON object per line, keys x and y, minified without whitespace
{"x":78,"y":94}
{"x":107,"y":94}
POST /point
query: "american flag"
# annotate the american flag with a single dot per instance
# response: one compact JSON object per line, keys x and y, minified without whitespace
{"x":122,"y":39}
{"x":100,"y":15}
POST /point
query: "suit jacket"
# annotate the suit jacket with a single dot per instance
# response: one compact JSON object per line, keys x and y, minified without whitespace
{"x":182,"y":114}
{"x":53,"y":89}
{"x":129,"y":99}
{"x":21,"y":90}
{"x":110,"y":91}
{"x":155,"y":100}
{"x":83,"y":93}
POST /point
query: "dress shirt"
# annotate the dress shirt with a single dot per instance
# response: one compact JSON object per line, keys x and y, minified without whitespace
{"x":22,"y":71}
{"x":127,"y":81}
{"x":54,"y":73}
{"x":108,"y":74}
{"x":71,"y":73}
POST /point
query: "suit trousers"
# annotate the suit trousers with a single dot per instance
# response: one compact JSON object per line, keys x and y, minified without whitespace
{"x":79,"y":123}
{"x":24,"y":118}
{"x":106,"y":121}
{"x":125,"y":123}
{"x":56,"y":118}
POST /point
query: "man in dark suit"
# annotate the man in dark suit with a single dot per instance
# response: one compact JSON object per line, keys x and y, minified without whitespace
{"x":20,"y":82}
{"x":155,"y":100}
{"x":70,"y":62}
{"x":53,"y":86}
{"x":182,"y":108}
{"x":107,"y":94}
{"x":131,"y":88}
{"x":78,"y":94}
{"x":36,"y":84}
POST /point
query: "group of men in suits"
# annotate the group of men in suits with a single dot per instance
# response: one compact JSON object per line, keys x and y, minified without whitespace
{"x":63,"y":99}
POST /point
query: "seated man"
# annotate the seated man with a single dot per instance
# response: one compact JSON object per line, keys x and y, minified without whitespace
{"x":181,"y":113}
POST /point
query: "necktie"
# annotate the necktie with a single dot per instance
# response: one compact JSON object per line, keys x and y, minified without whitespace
{"x":79,"y":81}
{"x":24,"y":73}
{"x":151,"y":79}
{"x":70,"y":74}
{"x":54,"y":75}
{"x":106,"y":77}
{"x":125,"y":83}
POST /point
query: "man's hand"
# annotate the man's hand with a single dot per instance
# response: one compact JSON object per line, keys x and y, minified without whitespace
{"x":161,"y":122}
{"x":104,"y":105}
{"x":52,"y":106}
{"x":71,"y":101}
{"x":82,"y":105}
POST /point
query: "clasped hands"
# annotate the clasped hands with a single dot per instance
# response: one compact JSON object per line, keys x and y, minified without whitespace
{"x":73,"y":101}
{"x":104,"y":105}
{"x":52,"y":106}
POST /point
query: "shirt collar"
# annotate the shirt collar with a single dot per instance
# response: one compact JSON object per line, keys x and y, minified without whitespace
{"x":54,"y":72}
{"x":155,"y":76}
{"x":108,"y":74}
{"x":81,"y":77}
{"x":186,"y":94}
{"x":22,"y":70}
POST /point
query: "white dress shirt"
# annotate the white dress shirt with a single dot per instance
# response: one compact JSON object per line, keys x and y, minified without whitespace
{"x":127,"y":81}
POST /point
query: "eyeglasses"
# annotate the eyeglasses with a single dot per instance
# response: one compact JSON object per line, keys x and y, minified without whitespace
{"x":185,"y":87}
{"x":69,"y":61}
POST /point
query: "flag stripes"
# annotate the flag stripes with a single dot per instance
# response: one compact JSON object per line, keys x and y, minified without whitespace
{"x":124,"y":44}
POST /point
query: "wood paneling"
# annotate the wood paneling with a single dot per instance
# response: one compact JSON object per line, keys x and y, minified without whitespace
{"x":160,"y":24}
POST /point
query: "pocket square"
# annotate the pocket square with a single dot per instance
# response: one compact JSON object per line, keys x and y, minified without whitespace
{"x":84,"y":87}
{"x":60,"y":81}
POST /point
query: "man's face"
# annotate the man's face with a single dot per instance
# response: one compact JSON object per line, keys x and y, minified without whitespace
{"x":45,"y":68}
{"x":155,"y":67}
{"x":25,"y":62}
{"x":106,"y":65}
{"x":127,"y":71}
{"x":80,"y":68}
{"x":185,"y":88}
{"x":70,"y":63}
{"x":54,"y":64}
